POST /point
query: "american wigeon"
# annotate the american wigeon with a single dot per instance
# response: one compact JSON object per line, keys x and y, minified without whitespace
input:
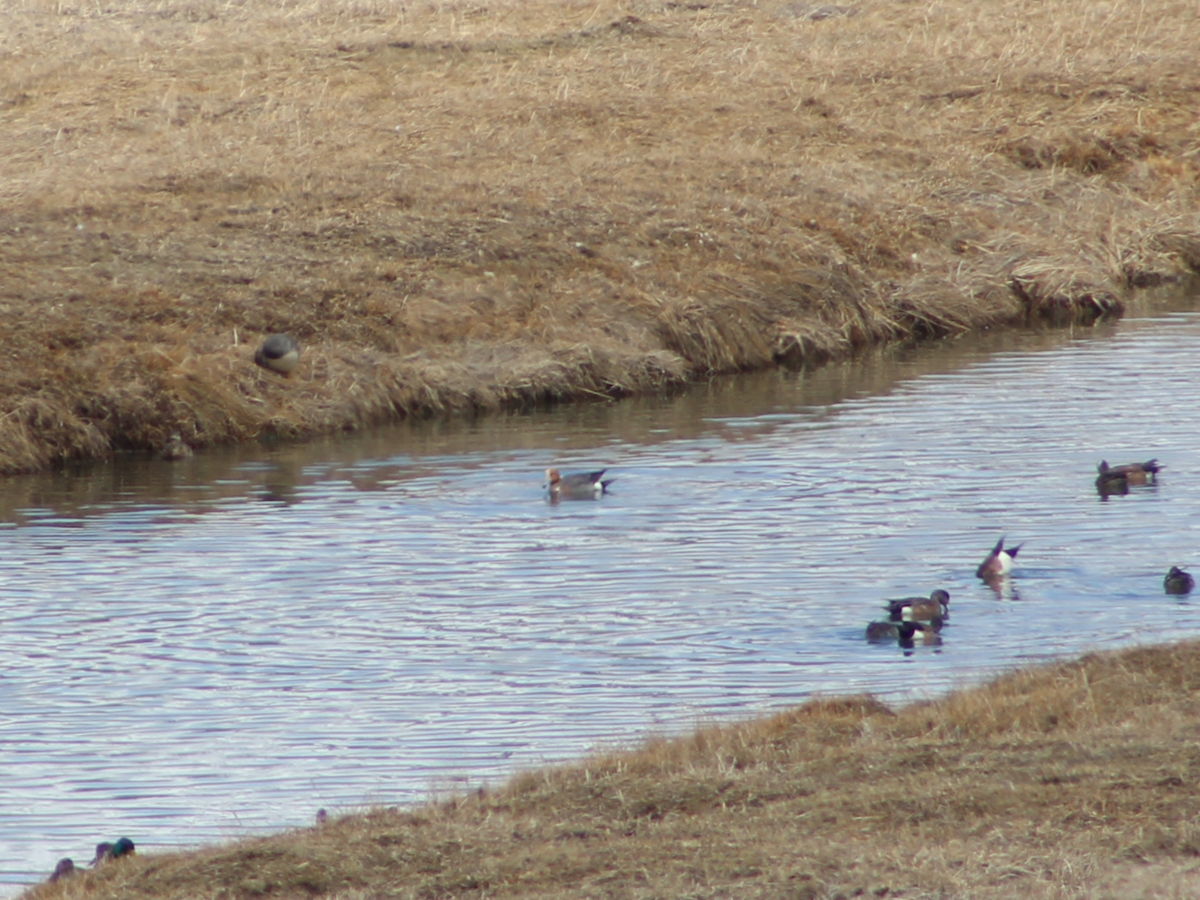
{"x":576,"y":486}
{"x":886,"y":632}
{"x":106,"y":851}
{"x":1178,"y":581}
{"x":279,"y":353}
{"x":920,"y":609}
{"x":999,"y":561}
{"x":64,"y":869}
{"x":926,"y":633}
{"x":1117,"y":479}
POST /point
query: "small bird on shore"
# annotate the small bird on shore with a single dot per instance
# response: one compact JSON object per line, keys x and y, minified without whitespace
{"x":279,"y":353}
{"x":927,"y":633}
{"x":64,"y":869}
{"x":920,"y":609}
{"x":576,"y":486}
{"x":1117,"y":479}
{"x":999,"y":561}
{"x":106,"y":851}
{"x":322,"y":817}
{"x":1178,"y":581}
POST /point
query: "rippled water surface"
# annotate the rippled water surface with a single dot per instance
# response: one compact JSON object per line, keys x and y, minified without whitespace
{"x":196,"y":651}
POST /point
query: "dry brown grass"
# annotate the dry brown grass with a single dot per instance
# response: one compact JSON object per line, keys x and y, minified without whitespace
{"x":468,"y":204}
{"x":1078,"y":780}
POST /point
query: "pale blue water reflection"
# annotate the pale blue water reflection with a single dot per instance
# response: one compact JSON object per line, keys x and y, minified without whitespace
{"x":406,"y":614}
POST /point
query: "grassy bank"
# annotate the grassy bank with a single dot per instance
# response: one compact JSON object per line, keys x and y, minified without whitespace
{"x":1077,"y":780}
{"x":466,"y":204}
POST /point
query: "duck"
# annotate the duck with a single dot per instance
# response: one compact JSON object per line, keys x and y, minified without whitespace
{"x":577,"y":486}
{"x":64,"y":869}
{"x":920,"y":609}
{"x":106,"y":851}
{"x":1178,"y":581}
{"x":279,"y":353}
{"x":999,"y":561}
{"x":1116,"y":479}
{"x":885,"y":632}
{"x":928,"y":633}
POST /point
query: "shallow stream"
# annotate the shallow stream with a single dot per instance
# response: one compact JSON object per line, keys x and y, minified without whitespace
{"x":196,"y":651}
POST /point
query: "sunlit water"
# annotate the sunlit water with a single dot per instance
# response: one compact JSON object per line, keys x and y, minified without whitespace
{"x":197,"y":651}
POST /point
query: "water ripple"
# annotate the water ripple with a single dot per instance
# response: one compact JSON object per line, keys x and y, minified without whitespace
{"x":416,"y":619}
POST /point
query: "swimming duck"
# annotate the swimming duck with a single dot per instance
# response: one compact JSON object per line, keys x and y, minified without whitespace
{"x":885,"y":632}
{"x":64,"y":869}
{"x":577,"y":486}
{"x":925,"y":632}
{"x":279,"y":353}
{"x":106,"y":851}
{"x":920,"y":609}
{"x":1178,"y":581}
{"x":998,"y":562}
{"x":1116,"y":479}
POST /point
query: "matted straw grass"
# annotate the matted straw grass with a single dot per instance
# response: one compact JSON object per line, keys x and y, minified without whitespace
{"x":1076,"y":780}
{"x":470,"y":204}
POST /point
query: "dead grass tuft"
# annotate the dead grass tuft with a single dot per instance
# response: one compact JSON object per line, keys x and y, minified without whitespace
{"x":1075,"y":780}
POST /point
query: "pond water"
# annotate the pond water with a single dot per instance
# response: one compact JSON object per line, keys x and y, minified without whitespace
{"x":196,"y":651}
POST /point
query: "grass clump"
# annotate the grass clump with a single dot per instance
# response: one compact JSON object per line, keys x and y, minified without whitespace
{"x":1075,"y":780}
{"x":460,"y":205}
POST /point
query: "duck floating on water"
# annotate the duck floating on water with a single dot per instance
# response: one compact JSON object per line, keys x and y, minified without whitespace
{"x":106,"y":851}
{"x":1178,"y":581}
{"x":576,"y":486}
{"x":1117,"y":479}
{"x":999,"y":562}
{"x":905,"y":633}
{"x":64,"y":869}
{"x":920,"y":609}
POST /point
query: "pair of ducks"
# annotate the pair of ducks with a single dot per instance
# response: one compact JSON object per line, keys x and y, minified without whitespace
{"x":913,"y":618}
{"x":104,"y":853}
{"x":1117,"y":480}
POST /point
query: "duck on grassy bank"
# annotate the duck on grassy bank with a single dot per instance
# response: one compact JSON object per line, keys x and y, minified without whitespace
{"x":279,"y":353}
